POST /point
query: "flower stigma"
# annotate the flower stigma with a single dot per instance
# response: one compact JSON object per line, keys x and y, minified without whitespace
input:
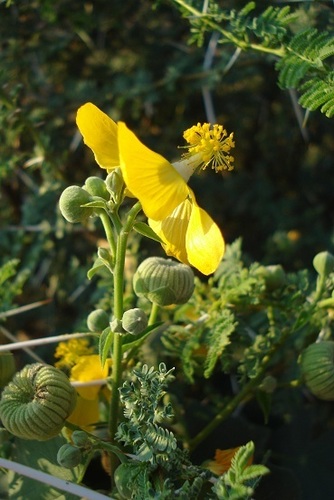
{"x":208,"y":146}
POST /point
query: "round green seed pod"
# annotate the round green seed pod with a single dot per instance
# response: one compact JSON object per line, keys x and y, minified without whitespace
{"x":70,"y":204}
{"x":97,"y":187}
{"x":69,"y":456}
{"x":36,"y":403}
{"x":323,"y":263}
{"x":164,"y":281}
{"x":80,"y":438}
{"x":317,"y":368}
{"x":273,"y":275}
{"x":97,"y":320}
{"x":7,"y":367}
{"x":134,"y":321}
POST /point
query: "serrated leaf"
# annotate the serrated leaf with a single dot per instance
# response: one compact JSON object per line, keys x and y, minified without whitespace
{"x":253,"y":471}
{"x":145,"y":230}
{"x":242,"y":457}
{"x":105,"y":343}
{"x":8,"y":269}
{"x":218,"y":339}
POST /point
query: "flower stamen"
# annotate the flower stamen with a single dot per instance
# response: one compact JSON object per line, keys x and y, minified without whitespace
{"x":212,"y":145}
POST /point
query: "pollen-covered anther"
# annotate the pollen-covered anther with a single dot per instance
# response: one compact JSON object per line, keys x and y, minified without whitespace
{"x":211,"y":144}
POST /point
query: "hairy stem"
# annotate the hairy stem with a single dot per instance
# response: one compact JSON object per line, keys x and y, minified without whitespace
{"x":153,"y":314}
{"x":121,"y":245}
{"x":106,"y":222}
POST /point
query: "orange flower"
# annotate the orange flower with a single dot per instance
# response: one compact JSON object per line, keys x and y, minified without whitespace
{"x":222,"y":461}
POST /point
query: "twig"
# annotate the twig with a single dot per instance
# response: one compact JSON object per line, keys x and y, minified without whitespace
{"x":34,"y":342}
{"x":56,"y":482}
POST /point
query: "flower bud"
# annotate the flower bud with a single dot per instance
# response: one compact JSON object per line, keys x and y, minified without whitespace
{"x":317,"y":368}
{"x":164,"y":281}
{"x":323,"y":263}
{"x":97,"y":320}
{"x":97,"y":187}
{"x":80,"y":438}
{"x":115,"y":184}
{"x":70,"y":204}
{"x":7,"y":367}
{"x":274,"y":276}
{"x":134,"y":321}
{"x":69,"y":456}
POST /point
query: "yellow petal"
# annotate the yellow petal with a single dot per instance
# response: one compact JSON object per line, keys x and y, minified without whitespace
{"x":204,"y":241}
{"x":173,"y":229}
{"x":87,"y":369}
{"x":149,"y":176}
{"x":100,"y":134}
{"x":86,"y":413}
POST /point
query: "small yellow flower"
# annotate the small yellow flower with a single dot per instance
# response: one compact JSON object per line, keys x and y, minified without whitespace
{"x":70,"y":351}
{"x":187,"y":231}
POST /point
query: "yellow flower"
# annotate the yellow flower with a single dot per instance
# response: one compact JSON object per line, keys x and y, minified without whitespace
{"x":70,"y":351}
{"x":187,"y":231}
{"x":87,"y":369}
{"x":86,"y":413}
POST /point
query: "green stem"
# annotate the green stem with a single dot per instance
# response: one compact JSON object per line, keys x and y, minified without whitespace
{"x":244,"y":45}
{"x":116,"y":379}
{"x":106,"y":222}
{"x":153,"y":314}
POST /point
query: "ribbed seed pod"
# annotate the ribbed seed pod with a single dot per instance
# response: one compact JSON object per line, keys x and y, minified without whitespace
{"x":7,"y":367}
{"x":36,"y":403}
{"x":164,"y":281}
{"x":317,"y":367}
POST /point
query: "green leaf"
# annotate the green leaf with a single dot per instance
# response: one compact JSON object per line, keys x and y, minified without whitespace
{"x":41,"y":455}
{"x":131,"y":342}
{"x":106,"y":258}
{"x":253,"y":472}
{"x":8,"y":269}
{"x":218,"y":338}
{"x":105,"y":343}
{"x":96,"y":204}
{"x":145,"y":230}
{"x":97,"y":266}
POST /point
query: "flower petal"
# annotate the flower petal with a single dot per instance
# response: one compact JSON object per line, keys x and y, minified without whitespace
{"x":100,"y":134}
{"x":149,"y":176}
{"x":172,"y":230}
{"x":88,"y":369}
{"x":86,"y":413}
{"x":204,"y":241}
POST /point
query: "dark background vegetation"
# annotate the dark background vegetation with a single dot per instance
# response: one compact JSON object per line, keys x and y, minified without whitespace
{"x":135,"y":63}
